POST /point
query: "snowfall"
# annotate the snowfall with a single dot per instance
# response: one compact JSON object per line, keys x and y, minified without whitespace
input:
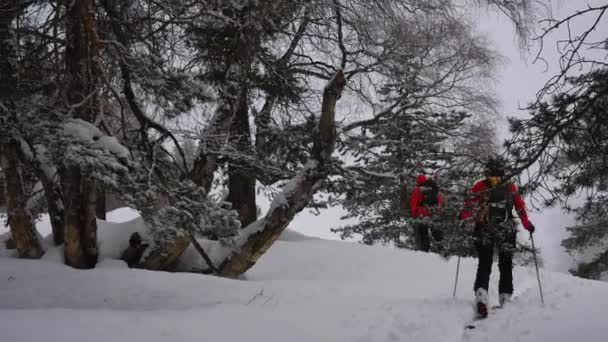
{"x":303,"y":289}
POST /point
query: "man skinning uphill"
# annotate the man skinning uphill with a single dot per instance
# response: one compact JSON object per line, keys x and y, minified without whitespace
{"x":490,"y":205}
{"x":424,"y":200}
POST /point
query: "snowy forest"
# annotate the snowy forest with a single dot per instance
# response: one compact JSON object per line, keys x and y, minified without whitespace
{"x":191,"y":111}
{"x":156,"y":157}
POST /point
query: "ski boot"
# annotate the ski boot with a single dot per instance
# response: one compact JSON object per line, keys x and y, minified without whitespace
{"x":481,"y":303}
{"x":503,"y":299}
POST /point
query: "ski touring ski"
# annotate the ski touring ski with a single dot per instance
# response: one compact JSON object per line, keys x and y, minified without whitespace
{"x":491,"y":310}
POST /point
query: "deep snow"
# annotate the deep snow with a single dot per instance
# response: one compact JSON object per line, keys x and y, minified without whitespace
{"x":303,"y":289}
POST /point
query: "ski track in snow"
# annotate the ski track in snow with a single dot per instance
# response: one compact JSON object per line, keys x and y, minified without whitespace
{"x":303,"y":289}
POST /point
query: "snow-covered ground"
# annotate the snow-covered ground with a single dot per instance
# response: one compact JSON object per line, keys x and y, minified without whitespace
{"x":303,"y":289}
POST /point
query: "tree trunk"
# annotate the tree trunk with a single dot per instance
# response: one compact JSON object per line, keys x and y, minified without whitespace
{"x":100,"y":205}
{"x":80,"y":232}
{"x":73,"y":252}
{"x":205,"y":163}
{"x":234,"y":83}
{"x":262,"y":128}
{"x":241,"y":194}
{"x":241,"y":183}
{"x":296,"y":195}
{"x":46,"y":173}
{"x":79,"y":187}
{"x":54,"y":200}
{"x":166,"y":252}
{"x":23,"y":230}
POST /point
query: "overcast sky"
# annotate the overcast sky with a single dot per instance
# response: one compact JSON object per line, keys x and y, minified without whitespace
{"x":517,"y":83}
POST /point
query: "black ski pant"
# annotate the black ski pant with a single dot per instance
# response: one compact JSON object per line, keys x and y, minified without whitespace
{"x":423,"y":238}
{"x":487,"y":237}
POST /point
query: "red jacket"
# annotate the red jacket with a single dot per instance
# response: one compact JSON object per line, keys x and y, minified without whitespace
{"x":480,"y":186}
{"x":416,"y":200}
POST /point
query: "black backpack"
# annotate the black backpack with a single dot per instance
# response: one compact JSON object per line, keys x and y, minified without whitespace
{"x":500,"y":204}
{"x":430,"y":193}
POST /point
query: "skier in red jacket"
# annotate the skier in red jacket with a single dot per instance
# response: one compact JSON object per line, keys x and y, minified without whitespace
{"x":490,"y":205}
{"x":424,"y":199}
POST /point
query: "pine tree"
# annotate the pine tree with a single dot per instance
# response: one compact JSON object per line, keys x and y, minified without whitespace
{"x":370,"y":192}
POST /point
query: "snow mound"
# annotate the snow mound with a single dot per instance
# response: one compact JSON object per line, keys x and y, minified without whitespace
{"x":122,"y":215}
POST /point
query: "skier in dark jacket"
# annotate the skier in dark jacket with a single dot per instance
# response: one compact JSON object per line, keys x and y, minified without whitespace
{"x":490,"y":205}
{"x":424,"y":199}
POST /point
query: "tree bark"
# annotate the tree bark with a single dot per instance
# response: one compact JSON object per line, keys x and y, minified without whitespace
{"x":80,"y":227}
{"x":296,"y":195}
{"x":80,"y":189}
{"x":23,"y":230}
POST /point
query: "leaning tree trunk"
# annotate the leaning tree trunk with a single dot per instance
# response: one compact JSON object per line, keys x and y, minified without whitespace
{"x":297,"y":193}
{"x":80,"y":189}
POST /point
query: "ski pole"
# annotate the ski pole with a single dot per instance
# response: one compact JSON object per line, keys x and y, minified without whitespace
{"x":456,"y":280}
{"x":540,"y":288}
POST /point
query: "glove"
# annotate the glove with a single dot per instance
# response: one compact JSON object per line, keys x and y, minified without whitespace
{"x":530,"y":227}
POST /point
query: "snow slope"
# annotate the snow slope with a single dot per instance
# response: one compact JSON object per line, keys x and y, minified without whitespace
{"x":301,"y":290}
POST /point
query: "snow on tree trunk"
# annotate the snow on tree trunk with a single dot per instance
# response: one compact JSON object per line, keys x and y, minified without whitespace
{"x":80,"y":229}
{"x":260,"y":235}
{"x":23,"y":230}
